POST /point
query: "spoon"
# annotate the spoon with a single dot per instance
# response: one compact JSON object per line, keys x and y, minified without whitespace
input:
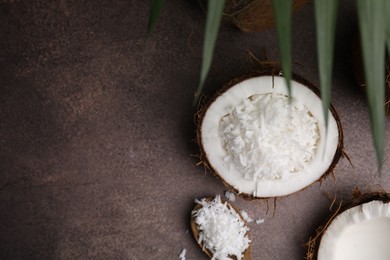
{"x":195,"y":231}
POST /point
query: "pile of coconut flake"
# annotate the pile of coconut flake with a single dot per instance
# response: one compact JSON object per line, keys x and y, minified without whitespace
{"x":221,"y":230}
{"x":266,"y":138}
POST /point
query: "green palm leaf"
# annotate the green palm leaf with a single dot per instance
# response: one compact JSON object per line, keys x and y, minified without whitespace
{"x":155,"y":8}
{"x":388,"y":25}
{"x":325,"y":15}
{"x":372,"y":35}
{"x":213,"y":22}
{"x":282,"y":10}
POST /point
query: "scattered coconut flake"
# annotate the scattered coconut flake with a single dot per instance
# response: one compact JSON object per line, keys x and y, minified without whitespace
{"x":260,"y":221}
{"x":182,"y":255}
{"x":265,"y":138}
{"x":230,"y":196}
{"x":221,"y":230}
{"x":245,"y":216}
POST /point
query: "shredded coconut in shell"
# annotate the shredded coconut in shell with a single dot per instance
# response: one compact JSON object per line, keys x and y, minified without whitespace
{"x":221,"y":230}
{"x":266,"y":138}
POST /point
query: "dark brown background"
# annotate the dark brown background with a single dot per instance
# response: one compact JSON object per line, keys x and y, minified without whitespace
{"x":96,"y":130}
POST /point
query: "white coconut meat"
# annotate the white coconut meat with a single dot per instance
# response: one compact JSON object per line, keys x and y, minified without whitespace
{"x":262,"y":146}
{"x":360,"y":233}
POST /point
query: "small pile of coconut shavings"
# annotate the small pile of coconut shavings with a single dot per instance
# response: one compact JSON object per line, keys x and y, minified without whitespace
{"x":266,"y":138}
{"x":221,"y":230}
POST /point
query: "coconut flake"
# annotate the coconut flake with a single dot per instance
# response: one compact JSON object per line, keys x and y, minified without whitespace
{"x":230,"y":196}
{"x":182,"y":255}
{"x":221,"y":230}
{"x":245,"y":216}
{"x":265,"y":138}
{"x":260,"y":221}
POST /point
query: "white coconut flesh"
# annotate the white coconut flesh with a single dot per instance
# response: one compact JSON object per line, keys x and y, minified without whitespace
{"x":360,"y":233}
{"x":262,"y":146}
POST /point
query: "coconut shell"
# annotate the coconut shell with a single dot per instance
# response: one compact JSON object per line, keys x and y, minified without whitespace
{"x":313,"y":244}
{"x":252,"y":15}
{"x":265,"y":72}
{"x":195,"y":231}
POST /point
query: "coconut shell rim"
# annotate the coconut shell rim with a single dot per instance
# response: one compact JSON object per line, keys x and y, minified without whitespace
{"x":312,"y":246}
{"x":199,"y":116}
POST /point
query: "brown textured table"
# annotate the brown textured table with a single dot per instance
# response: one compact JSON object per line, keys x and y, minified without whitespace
{"x":96,"y":130}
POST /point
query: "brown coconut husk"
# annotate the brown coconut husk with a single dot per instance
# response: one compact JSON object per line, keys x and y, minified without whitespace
{"x":267,"y":70}
{"x":252,"y":15}
{"x":195,"y":231}
{"x":313,"y":244}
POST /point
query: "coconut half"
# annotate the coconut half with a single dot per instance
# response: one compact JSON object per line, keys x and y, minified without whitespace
{"x":220,"y":230}
{"x":261,"y":144}
{"x":360,"y":231}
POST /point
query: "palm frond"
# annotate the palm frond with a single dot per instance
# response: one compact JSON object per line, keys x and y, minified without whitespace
{"x":372,"y":19}
{"x":154,"y":11}
{"x":282,"y":10}
{"x":213,"y":22}
{"x":387,"y":16}
{"x":325,"y":16}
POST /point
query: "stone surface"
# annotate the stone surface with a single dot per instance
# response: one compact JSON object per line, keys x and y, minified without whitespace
{"x":96,"y":130}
